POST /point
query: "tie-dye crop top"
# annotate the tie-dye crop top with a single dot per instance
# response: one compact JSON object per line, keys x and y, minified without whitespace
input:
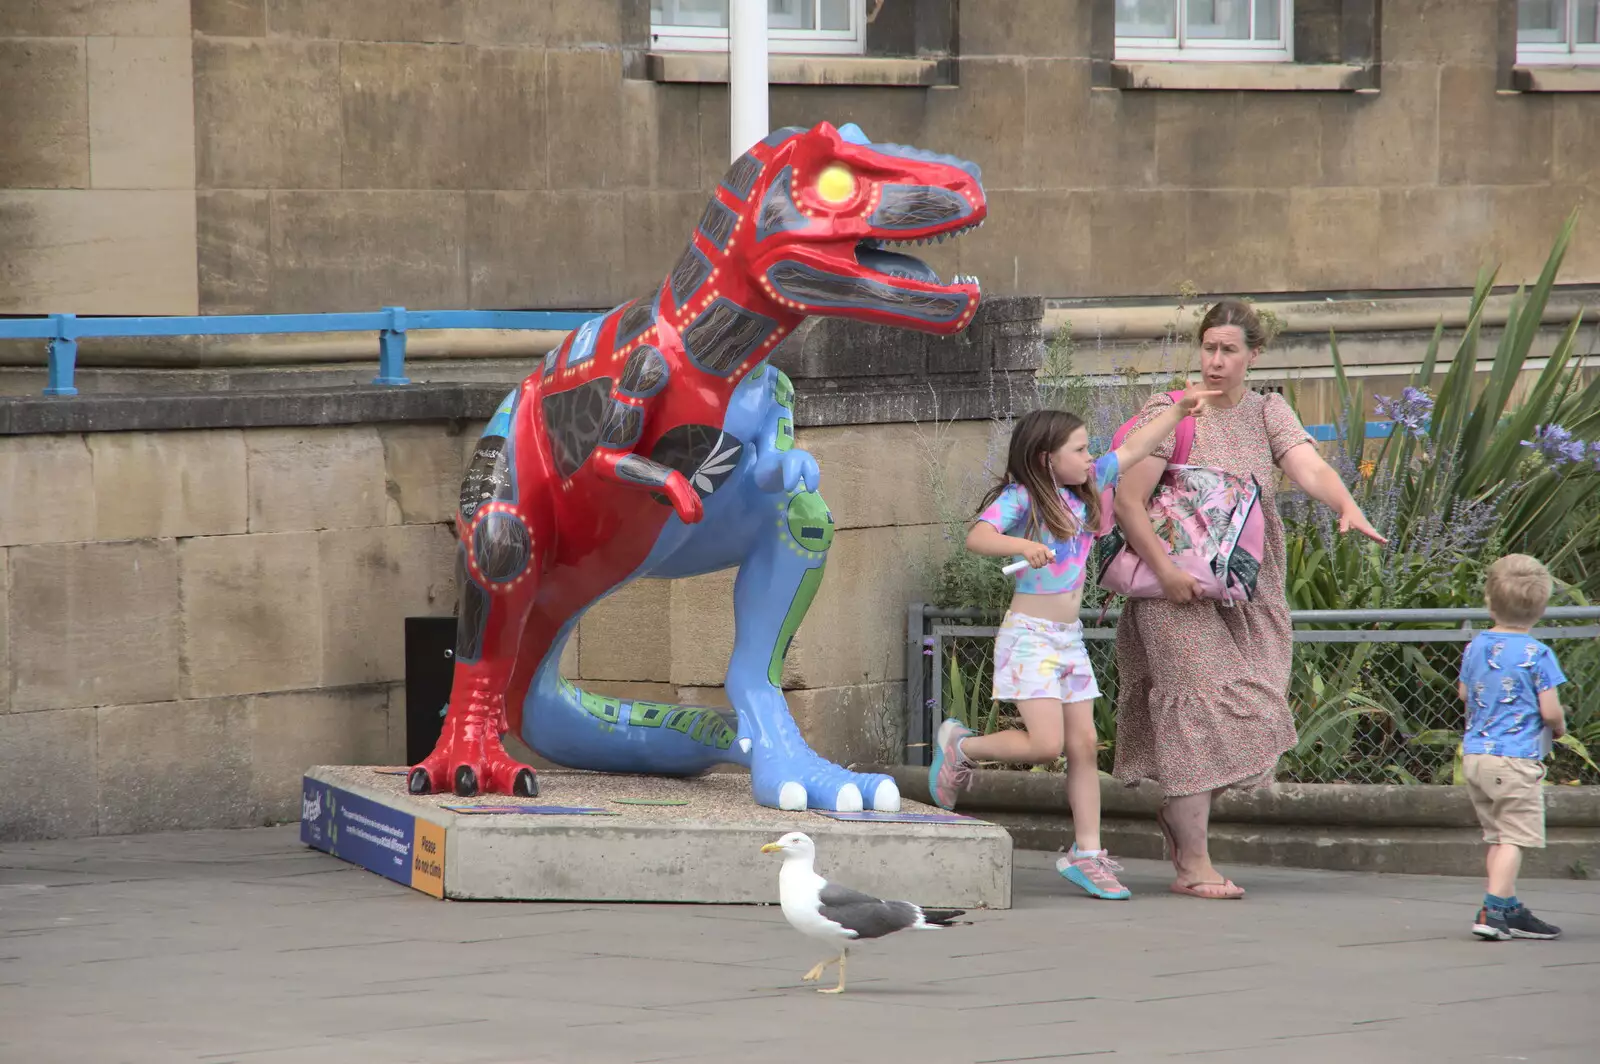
{"x":1009,"y":514}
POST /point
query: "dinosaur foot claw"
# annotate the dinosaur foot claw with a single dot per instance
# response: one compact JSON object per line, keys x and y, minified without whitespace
{"x":822,"y":785}
{"x":472,"y":766}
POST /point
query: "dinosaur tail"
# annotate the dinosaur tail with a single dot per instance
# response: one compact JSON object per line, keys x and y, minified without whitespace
{"x":580,"y":729}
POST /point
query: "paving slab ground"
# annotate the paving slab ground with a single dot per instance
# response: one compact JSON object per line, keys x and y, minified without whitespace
{"x":244,"y":946}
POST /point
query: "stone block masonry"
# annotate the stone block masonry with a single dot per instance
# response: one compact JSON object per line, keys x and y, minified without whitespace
{"x":255,"y":156}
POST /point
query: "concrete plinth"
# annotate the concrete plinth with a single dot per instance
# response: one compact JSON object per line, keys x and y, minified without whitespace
{"x":707,"y":850}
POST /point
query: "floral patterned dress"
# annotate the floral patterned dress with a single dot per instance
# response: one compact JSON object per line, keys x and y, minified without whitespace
{"x":1202,"y":688}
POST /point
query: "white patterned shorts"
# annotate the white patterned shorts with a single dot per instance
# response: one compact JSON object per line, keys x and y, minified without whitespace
{"x":1035,"y":658}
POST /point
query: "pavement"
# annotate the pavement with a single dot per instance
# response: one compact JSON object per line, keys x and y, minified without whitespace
{"x":244,"y":946}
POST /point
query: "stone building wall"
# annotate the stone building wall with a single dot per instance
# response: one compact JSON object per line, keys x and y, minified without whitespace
{"x":168,"y":156}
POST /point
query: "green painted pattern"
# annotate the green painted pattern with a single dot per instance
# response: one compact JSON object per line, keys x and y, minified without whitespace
{"x":791,"y":623}
{"x":810,"y":522}
{"x":649,"y":714}
{"x":783,"y":390}
{"x":702,"y":725}
{"x":607,"y":709}
{"x":785,"y":434}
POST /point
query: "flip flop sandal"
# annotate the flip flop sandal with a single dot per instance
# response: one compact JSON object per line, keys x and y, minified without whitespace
{"x":1232,"y":891}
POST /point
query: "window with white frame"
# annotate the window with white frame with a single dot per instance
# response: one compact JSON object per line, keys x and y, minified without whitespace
{"x":1252,"y":31}
{"x":1566,"y":32}
{"x":804,"y":26}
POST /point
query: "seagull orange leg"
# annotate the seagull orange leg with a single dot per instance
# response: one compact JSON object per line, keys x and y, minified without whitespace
{"x":840,"y":988}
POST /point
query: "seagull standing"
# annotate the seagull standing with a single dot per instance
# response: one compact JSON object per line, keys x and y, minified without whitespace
{"x":838,"y":915}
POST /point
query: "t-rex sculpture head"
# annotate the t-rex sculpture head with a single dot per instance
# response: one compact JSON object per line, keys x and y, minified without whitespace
{"x":804,"y":221}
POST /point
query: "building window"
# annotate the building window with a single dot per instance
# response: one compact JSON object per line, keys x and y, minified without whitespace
{"x":804,"y":26}
{"x":1251,"y":31}
{"x":1558,"y":31}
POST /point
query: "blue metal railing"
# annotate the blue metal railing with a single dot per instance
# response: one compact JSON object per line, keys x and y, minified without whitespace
{"x":63,"y":331}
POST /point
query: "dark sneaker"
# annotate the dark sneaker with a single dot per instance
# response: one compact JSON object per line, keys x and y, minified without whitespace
{"x":1491,"y":924}
{"x":1524,"y":924}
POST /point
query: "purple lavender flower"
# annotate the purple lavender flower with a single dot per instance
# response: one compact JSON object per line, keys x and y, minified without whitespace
{"x":927,"y":647}
{"x":1410,"y":411}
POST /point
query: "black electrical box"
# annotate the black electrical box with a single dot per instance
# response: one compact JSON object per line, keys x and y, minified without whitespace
{"x":430,"y":666}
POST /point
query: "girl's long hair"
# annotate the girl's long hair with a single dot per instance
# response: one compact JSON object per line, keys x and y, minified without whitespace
{"x":1037,"y":435}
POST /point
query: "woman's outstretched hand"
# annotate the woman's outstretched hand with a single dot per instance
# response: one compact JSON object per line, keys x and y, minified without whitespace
{"x":1194,"y":397}
{"x":1354,"y":520}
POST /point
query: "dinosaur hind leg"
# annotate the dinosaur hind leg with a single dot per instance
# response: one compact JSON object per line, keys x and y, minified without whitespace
{"x":497,"y":570}
{"x":776,"y":584}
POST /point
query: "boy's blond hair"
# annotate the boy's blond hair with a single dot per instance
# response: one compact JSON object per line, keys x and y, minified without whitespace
{"x":1518,"y":590}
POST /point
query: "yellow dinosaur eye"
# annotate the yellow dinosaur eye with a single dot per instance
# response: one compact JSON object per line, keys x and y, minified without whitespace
{"x":836,"y":184}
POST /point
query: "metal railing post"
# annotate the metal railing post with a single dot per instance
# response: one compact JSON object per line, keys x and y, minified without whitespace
{"x":917,"y":737}
{"x":63,"y":355}
{"x":392,"y":349}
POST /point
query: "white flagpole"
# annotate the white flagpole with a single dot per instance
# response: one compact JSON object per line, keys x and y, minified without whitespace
{"x":747,"y":74}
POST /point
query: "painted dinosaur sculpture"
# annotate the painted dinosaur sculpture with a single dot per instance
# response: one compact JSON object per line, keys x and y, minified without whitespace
{"x":656,"y":441}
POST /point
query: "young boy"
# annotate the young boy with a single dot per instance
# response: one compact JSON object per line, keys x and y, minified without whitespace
{"x":1509,"y":681}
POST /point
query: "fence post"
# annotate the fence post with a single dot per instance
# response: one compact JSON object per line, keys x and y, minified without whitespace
{"x":916,"y":687}
{"x":63,"y":355}
{"x":392,"y":349}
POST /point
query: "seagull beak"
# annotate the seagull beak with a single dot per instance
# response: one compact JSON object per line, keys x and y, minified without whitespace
{"x":772,"y":847}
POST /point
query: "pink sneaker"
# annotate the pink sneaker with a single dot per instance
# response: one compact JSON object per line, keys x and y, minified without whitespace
{"x":950,"y":772}
{"x":1095,"y":872}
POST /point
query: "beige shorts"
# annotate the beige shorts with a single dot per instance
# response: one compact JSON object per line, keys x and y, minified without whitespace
{"x":1508,"y":796}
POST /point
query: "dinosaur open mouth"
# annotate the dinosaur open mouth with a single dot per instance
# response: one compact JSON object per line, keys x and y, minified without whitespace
{"x":874,"y":254}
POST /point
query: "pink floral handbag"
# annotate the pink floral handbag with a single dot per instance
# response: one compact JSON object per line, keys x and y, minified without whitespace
{"x":1209,"y":520}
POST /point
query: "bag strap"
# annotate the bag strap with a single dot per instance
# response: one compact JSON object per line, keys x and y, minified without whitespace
{"x":1183,"y":436}
{"x":1181,"y":445}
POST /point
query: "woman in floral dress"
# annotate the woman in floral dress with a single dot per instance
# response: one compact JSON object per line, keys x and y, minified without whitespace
{"x":1202,"y":701}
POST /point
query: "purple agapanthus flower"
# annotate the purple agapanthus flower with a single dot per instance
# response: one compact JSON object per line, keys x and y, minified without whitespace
{"x":1410,"y":411}
{"x":1556,"y":444}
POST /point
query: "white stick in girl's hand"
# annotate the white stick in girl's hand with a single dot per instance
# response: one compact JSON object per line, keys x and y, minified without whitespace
{"x":1017,"y":566}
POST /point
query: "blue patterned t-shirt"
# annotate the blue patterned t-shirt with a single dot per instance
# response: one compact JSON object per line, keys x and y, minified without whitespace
{"x":1503,"y":673}
{"x":1009,"y":514}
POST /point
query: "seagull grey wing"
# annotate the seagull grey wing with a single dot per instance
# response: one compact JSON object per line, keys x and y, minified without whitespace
{"x":863,"y":914}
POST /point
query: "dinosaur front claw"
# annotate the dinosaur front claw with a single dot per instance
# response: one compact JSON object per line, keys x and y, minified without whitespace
{"x":685,"y":500}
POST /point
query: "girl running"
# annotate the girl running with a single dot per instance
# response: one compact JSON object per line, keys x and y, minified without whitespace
{"x":1046,"y":510}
